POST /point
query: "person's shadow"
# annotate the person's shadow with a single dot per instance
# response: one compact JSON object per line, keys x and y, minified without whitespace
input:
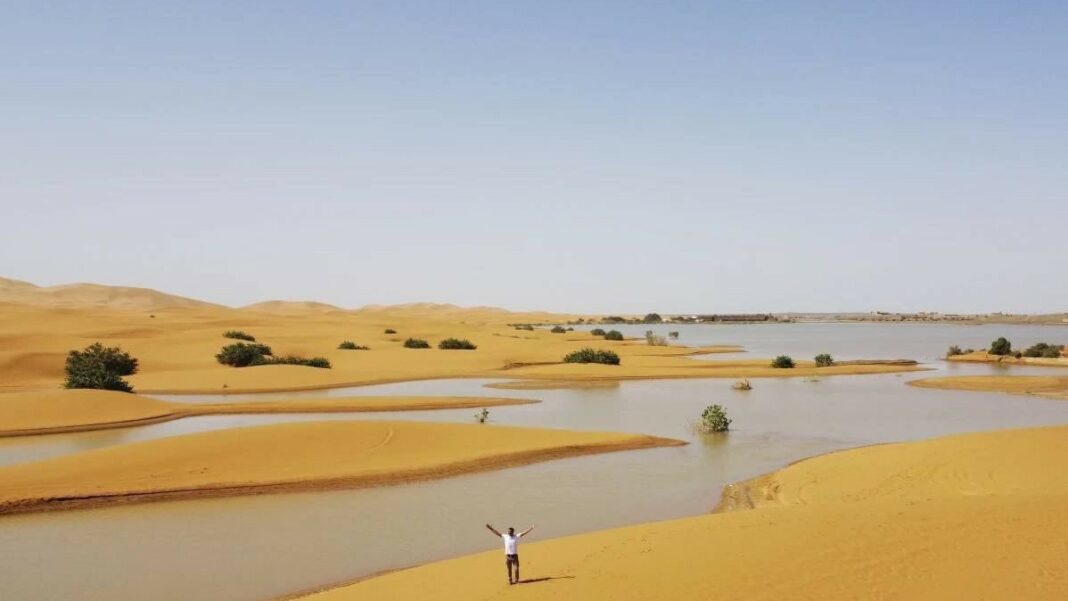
{"x":542,"y":579}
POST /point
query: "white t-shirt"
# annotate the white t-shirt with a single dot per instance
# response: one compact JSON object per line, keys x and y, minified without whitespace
{"x":511,"y":543}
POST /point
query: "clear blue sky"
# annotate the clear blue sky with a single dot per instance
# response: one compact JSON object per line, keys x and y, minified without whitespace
{"x":583,"y":156}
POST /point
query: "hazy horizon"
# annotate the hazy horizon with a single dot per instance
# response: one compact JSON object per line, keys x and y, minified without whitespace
{"x":572,"y":157}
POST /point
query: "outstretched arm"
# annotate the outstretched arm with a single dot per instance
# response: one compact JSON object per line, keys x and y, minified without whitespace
{"x":526,"y":532}
{"x":493,"y":530}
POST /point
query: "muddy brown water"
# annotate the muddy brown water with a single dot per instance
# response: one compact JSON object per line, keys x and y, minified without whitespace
{"x":259,"y":547}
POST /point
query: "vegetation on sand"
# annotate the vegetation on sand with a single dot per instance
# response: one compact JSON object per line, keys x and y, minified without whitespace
{"x":1045,"y":350}
{"x":824,"y":360}
{"x":953,"y":351}
{"x":389,"y":331}
{"x":416,"y":343}
{"x":783,"y":362}
{"x":349,"y":345}
{"x":243,"y":355}
{"x":557,"y":330}
{"x":456,"y":344}
{"x":100,"y":367}
{"x":714,"y":419}
{"x":592,"y":355}
{"x":597,"y":332}
{"x":239,"y":335}
{"x":613,"y":335}
{"x":654,"y":340}
{"x":1001,"y":346}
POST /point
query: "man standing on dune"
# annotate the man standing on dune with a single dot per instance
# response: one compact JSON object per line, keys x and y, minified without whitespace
{"x":511,"y":550}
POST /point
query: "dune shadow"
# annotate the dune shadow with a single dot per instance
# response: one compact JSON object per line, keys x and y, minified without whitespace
{"x":543,"y":579}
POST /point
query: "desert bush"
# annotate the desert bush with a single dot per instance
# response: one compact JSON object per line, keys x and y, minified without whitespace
{"x":654,"y":340}
{"x":613,"y":319}
{"x":1044,"y":349}
{"x":239,"y":335}
{"x":243,"y":355}
{"x":742,"y":385}
{"x":824,"y":360}
{"x":320,"y":362}
{"x":597,"y":332}
{"x":591,"y":355}
{"x":714,"y":419}
{"x":1001,"y":346}
{"x":652,"y":318}
{"x":349,"y":345}
{"x":525,"y":326}
{"x":674,"y":335}
{"x":557,"y":330}
{"x":389,"y":331}
{"x":456,"y":344}
{"x":783,"y":362}
{"x":953,"y":351}
{"x":100,"y":367}
{"x":570,"y":329}
{"x":613,"y":335}
{"x":416,"y":343}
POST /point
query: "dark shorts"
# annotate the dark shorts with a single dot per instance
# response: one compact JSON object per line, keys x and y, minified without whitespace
{"x":511,"y":560}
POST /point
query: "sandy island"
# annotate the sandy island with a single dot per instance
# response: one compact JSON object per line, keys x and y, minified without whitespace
{"x":976,"y":516}
{"x":284,"y":457}
{"x":55,"y":411}
{"x":1046,"y":386}
{"x":985,"y":357}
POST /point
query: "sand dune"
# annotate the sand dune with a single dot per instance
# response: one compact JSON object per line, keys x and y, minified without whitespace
{"x":92,"y":295}
{"x":956,"y":518}
{"x":300,"y":456}
{"x":47,"y":412}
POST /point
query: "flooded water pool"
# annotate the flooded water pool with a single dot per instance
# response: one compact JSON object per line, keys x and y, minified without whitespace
{"x":259,"y":547}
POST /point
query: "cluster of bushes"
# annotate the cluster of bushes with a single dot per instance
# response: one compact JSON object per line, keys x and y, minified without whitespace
{"x":591,"y":355}
{"x":456,"y":344}
{"x":239,"y":335}
{"x":1001,"y":346}
{"x":416,"y":343}
{"x":1045,"y":350}
{"x":100,"y":367}
{"x":249,"y":355}
{"x":349,"y":345}
{"x":714,"y":419}
{"x":654,"y":340}
{"x":783,"y":362}
{"x":558,"y":330}
{"x":652,"y":318}
{"x":824,"y":360}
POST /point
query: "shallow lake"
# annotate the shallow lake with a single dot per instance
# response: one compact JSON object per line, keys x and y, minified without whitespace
{"x":258,"y":547}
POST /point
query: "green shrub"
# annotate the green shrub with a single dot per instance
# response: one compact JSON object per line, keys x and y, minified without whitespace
{"x":456,"y":344}
{"x":653,"y":340}
{"x":613,"y":335}
{"x":239,"y":335}
{"x":390,"y":331}
{"x":349,"y":345}
{"x":714,"y":419}
{"x":1001,"y":346}
{"x":824,"y":360}
{"x":590,"y":355}
{"x":783,"y":362}
{"x":557,"y":330}
{"x":653,"y":318}
{"x":416,"y":343}
{"x":953,"y":351}
{"x":100,"y":367}
{"x":291,"y":360}
{"x":597,"y":332}
{"x":1044,"y":349}
{"x":243,"y":355}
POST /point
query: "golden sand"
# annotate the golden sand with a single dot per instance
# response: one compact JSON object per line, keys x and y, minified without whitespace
{"x":1051,"y":386}
{"x":952,"y":519}
{"x":49,"y":412}
{"x":298,"y":456}
{"x":176,"y":347}
{"x":984,"y":357}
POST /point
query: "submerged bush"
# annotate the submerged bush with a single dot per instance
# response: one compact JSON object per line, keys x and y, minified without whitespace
{"x":243,"y":355}
{"x":613,"y":335}
{"x":1001,"y":346}
{"x":953,"y":351}
{"x":783,"y":362}
{"x":674,"y":335}
{"x":597,"y":332}
{"x":456,"y":344}
{"x":654,"y":340}
{"x":416,"y":343}
{"x":714,"y":419}
{"x":482,"y":416}
{"x":99,"y":367}
{"x":349,"y":345}
{"x":557,"y":330}
{"x":239,"y":335}
{"x":824,"y":360}
{"x":591,"y":355}
{"x":1045,"y":350}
